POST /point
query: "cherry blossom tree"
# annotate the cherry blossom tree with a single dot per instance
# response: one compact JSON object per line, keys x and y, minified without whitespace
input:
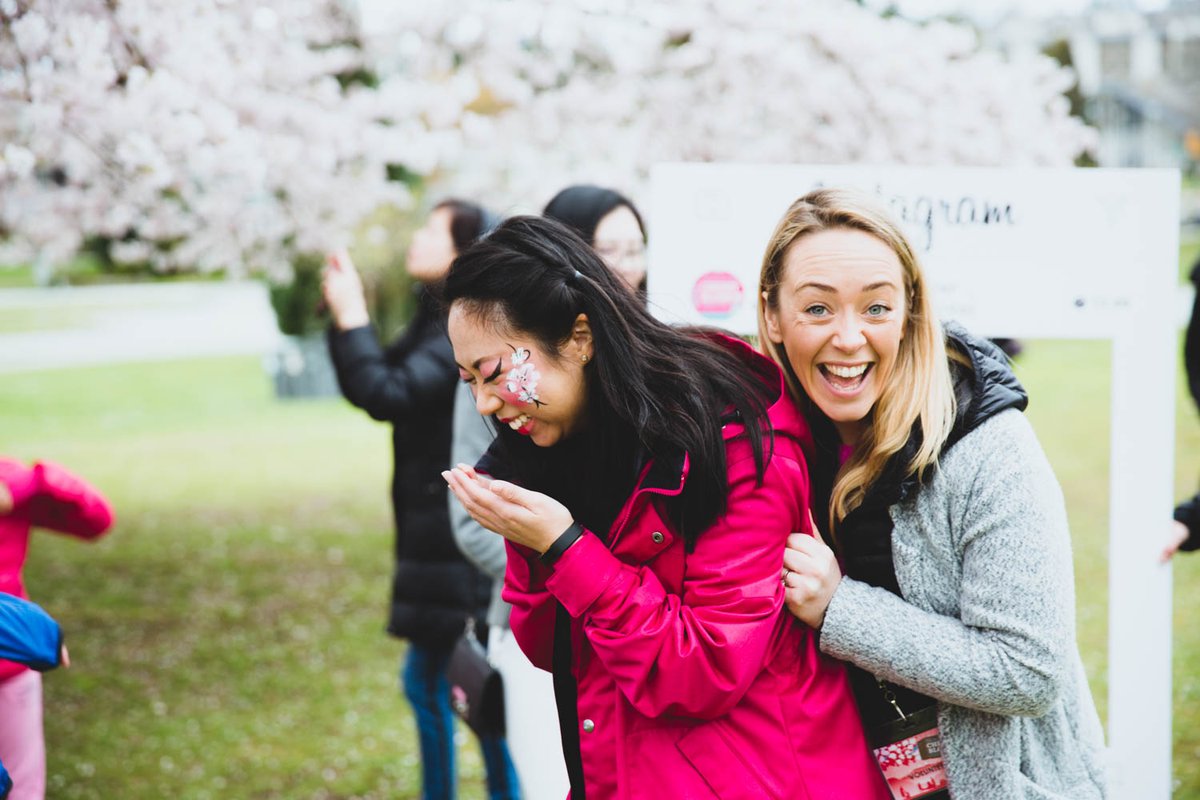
{"x":217,"y":134}
{"x":195,"y":134}
{"x":551,"y":92}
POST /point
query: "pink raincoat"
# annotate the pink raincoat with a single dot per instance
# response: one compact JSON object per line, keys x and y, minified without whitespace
{"x":693,"y":679}
{"x":46,"y":496}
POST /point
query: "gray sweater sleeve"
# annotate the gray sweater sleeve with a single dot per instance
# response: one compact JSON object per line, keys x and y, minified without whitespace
{"x":984,"y":562}
{"x":471,"y":439}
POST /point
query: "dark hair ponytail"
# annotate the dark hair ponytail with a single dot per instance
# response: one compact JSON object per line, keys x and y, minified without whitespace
{"x":650,"y":387}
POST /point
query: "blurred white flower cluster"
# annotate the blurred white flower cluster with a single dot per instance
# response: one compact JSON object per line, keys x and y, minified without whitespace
{"x":213,"y":134}
{"x":195,"y":134}
{"x":600,"y":90}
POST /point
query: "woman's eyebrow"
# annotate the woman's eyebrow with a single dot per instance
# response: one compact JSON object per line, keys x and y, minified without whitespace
{"x":821,"y":287}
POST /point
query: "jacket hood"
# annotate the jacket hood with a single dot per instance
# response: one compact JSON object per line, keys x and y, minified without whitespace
{"x":986,"y":388}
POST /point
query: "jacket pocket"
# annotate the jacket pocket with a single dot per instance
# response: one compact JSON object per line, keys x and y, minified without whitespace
{"x":722,"y":765}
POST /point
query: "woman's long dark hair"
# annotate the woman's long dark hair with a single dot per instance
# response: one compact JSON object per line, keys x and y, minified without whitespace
{"x":651,"y":389}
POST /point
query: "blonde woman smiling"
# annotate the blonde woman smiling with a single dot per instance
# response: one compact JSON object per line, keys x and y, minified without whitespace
{"x":950,"y":592}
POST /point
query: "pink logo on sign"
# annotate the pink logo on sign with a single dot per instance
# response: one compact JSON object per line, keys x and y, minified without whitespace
{"x":717,"y":295}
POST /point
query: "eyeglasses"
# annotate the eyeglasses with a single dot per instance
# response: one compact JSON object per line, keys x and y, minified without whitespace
{"x":619,"y":252}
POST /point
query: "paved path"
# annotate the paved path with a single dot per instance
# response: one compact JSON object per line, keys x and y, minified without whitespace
{"x":73,"y":326}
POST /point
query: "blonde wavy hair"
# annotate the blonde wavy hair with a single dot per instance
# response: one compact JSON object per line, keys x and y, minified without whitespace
{"x":920,"y":387}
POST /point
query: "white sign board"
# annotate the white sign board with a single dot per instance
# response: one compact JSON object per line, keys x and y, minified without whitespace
{"x":1033,"y":253}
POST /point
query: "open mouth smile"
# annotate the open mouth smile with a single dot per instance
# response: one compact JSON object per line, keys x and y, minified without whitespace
{"x":845,"y":379}
{"x":520,"y":424}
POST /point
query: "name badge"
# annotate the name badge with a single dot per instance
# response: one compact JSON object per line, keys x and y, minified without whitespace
{"x":909,"y":753}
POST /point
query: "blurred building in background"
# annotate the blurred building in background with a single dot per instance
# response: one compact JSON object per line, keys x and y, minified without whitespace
{"x":1139,"y":75}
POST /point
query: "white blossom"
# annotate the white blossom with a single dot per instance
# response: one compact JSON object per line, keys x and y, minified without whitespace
{"x":212,"y":134}
{"x":601,"y":91}
{"x":194,"y":134}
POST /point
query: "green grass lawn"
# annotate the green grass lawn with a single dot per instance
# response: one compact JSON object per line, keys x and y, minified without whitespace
{"x":227,"y":636}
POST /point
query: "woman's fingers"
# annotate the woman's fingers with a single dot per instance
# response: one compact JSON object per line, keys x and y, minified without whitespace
{"x":467,"y":494}
{"x":1179,"y":535}
{"x":516,"y":495}
{"x":490,"y":509}
{"x":806,"y":543}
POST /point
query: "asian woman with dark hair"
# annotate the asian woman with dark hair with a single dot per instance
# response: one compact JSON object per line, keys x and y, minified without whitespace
{"x":646,"y":479}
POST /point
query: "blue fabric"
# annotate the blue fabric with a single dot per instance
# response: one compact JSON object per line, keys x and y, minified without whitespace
{"x":428,"y":690}
{"x":5,"y":783}
{"x":28,"y":635}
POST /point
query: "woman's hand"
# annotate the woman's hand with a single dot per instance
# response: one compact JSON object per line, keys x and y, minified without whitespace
{"x":1179,"y":535}
{"x":343,"y":291}
{"x":523,"y":517}
{"x":810,"y":577}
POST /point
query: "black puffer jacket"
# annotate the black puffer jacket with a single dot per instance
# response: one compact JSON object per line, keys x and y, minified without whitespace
{"x":411,"y":384}
{"x":1188,"y":512}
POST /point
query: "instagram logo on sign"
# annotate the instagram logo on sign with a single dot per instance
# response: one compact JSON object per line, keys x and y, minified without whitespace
{"x":716,"y":295}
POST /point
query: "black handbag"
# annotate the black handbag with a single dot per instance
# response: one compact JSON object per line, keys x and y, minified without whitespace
{"x":476,"y":688}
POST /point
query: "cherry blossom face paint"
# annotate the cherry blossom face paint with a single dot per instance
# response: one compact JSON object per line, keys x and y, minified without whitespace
{"x":521,"y":383}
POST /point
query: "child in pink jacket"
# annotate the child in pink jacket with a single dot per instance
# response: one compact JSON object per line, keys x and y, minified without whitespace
{"x":47,"y":496}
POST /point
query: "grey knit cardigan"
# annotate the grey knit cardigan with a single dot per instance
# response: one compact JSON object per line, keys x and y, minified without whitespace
{"x":986,"y":621}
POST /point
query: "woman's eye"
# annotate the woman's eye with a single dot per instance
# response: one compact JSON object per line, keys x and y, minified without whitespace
{"x":877,"y":309}
{"x":495,"y":373}
{"x":817,"y":311}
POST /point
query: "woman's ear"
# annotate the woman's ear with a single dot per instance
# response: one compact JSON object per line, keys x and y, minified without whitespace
{"x":581,"y":347}
{"x":771,"y":317}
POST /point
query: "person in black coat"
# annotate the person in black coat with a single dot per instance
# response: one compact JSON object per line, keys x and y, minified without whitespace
{"x":411,"y":384}
{"x":1186,"y":535}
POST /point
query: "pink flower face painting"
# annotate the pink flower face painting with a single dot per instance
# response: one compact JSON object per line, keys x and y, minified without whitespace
{"x":522,"y":380}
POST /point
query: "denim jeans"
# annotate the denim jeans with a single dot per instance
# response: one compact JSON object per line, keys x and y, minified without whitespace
{"x":426,"y":687}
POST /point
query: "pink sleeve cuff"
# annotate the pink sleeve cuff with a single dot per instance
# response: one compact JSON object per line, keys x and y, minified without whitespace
{"x":582,"y":573}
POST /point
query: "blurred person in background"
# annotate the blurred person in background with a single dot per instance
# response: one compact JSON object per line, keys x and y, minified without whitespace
{"x":610,"y":223}
{"x":45,"y":496}
{"x":951,"y":594}
{"x":1185,"y":530}
{"x":30,"y":637}
{"x":411,"y":384}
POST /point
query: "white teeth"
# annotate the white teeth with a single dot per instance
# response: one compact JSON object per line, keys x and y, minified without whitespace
{"x":847,"y":372}
{"x":519,"y":422}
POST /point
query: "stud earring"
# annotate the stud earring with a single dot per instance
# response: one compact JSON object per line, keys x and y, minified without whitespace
{"x":583,"y":358}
